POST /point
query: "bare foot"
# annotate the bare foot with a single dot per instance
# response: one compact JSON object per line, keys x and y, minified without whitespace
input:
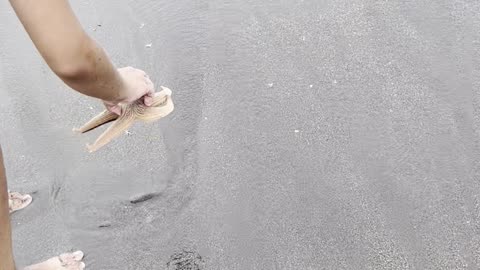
{"x":17,"y":201}
{"x":66,"y":261}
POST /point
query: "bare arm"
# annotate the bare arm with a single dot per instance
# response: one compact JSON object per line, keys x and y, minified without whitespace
{"x":75,"y":57}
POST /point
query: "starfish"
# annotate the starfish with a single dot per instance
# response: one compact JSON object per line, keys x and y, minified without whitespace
{"x":162,"y":106}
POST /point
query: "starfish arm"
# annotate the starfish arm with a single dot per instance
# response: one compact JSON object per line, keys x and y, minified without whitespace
{"x":150,"y":114}
{"x":159,"y":97}
{"x":97,"y":121}
{"x":115,"y":130}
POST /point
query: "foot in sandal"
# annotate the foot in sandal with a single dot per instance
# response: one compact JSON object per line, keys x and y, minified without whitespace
{"x":18,"y":201}
{"x":66,"y":261}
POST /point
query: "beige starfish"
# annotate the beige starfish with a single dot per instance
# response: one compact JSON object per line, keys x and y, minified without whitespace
{"x":137,"y":111}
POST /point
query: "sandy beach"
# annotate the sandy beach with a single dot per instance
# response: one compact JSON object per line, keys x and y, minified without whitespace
{"x":312,"y":134}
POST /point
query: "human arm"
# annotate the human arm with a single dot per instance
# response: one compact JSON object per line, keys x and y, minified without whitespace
{"x":75,"y":57}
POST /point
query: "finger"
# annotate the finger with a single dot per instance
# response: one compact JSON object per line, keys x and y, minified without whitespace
{"x":148,"y":100}
{"x":150,"y":86}
{"x":116,"y":109}
{"x":148,"y":97}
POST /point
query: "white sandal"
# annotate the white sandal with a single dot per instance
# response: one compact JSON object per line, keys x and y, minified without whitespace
{"x":18,"y":201}
{"x":65,"y":261}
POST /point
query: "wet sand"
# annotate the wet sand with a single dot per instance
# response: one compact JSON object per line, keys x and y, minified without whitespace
{"x":306,"y":135}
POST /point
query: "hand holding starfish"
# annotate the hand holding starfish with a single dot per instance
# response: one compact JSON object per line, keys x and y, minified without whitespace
{"x":161,"y":106}
{"x":136,"y":85}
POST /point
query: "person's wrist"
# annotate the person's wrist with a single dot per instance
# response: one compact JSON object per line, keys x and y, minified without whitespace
{"x":119,"y":91}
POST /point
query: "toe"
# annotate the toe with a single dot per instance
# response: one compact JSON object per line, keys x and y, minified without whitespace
{"x":27,"y":199}
{"x":65,"y":261}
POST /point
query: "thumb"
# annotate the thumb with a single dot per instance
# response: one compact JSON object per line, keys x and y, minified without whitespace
{"x":148,"y":99}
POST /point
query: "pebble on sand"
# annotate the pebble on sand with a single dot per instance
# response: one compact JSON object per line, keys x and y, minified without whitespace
{"x":138,"y":198}
{"x":105,"y":224}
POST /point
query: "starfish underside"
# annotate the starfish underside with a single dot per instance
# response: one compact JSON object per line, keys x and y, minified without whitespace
{"x":137,"y":111}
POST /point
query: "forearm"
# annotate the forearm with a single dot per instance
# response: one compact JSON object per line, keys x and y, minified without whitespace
{"x":68,"y":50}
{"x":95,"y":76}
